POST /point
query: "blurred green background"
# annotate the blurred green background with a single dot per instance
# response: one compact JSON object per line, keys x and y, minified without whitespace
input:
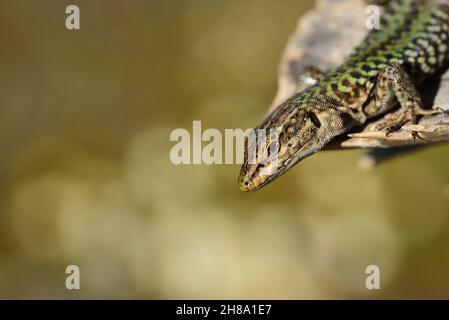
{"x":86,"y":179}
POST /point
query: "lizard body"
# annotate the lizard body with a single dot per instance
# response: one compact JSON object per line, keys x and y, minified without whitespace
{"x":411,"y":46}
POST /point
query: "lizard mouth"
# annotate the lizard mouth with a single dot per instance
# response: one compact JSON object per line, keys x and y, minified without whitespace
{"x":261,"y":180}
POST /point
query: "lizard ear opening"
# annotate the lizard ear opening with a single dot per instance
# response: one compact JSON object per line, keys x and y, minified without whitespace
{"x":315,"y":120}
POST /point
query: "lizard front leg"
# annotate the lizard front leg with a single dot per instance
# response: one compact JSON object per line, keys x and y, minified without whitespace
{"x":395,"y":85}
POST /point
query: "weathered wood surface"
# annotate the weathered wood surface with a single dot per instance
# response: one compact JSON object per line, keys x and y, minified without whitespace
{"x":323,"y":38}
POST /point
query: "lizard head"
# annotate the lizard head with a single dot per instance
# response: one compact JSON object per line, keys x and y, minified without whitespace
{"x":292,"y":132}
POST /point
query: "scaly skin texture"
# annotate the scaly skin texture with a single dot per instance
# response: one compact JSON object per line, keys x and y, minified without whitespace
{"x":411,"y":46}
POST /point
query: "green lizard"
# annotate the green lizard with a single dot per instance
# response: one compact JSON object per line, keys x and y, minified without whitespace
{"x":382,"y":73}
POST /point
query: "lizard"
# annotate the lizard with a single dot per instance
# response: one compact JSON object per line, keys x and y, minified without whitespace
{"x":380,"y":77}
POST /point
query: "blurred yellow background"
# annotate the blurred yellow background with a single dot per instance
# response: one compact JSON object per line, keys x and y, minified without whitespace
{"x":86,"y":179}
